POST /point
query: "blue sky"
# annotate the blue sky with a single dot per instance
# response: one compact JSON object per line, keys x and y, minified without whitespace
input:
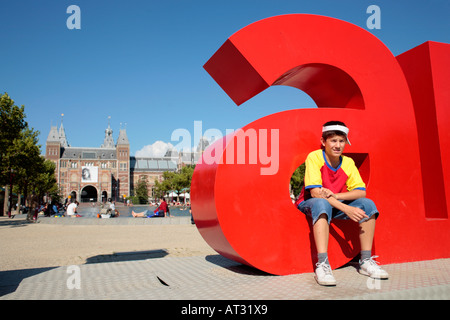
{"x":141,"y":62}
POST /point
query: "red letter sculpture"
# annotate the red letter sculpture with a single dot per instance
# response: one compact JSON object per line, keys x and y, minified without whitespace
{"x":246,"y":214}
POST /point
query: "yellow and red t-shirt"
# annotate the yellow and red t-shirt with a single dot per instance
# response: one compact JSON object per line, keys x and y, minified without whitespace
{"x":319,"y":173}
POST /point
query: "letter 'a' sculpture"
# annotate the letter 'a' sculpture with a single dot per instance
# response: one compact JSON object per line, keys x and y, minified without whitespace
{"x":396,"y":111}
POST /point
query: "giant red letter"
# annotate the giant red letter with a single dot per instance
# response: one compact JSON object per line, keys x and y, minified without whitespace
{"x":248,"y":216}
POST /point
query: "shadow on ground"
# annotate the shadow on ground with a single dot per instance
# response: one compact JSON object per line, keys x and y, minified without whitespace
{"x":233,"y":266}
{"x":10,"y":280}
{"x":127,"y":256}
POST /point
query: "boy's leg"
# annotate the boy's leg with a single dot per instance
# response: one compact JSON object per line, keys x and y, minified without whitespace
{"x":321,"y":231}
{"x":366,"y":233}
{"x":368,"y":266}
{"x":367,"y":225}
{"x":320,"y":211}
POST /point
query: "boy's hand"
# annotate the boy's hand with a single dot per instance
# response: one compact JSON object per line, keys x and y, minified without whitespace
{"x":355,"y":214}
{"x":326,"y":193}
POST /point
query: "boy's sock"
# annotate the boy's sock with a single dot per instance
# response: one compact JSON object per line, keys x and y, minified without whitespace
{"x":365,"y":254}
{"x":323,"y":257}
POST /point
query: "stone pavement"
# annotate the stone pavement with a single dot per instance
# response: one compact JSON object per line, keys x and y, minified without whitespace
{"x":217,"y":278}
{"x":151,"y":275}
{"x":115,"y":221}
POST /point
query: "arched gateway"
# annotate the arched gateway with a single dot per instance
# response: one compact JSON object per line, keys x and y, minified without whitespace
{"x":89,"y":194}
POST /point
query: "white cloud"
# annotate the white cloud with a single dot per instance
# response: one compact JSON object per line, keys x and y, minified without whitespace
{"x":157,"y":149}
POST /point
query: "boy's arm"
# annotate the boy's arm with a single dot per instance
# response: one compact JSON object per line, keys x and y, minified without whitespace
{"x":350,"y":195}
{"x":355,"y":214}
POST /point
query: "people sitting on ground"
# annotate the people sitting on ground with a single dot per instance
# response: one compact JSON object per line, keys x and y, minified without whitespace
{"x":162,"y":209}
{"x":43,"y":210}
{"x":163,"y":206}
{"x":112,"y":210}
{"x":72,"y":209}
{"x":108,"y":210}
{"x":54,"y":207}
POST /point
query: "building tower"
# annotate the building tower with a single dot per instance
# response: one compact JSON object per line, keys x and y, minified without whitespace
{"x":53,"y":148}
{"x":62,"y":134}
{"x":123,"y":157}
{"x":108,"y":142}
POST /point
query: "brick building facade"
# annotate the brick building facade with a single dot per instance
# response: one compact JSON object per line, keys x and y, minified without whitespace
{"x":96,"y":174}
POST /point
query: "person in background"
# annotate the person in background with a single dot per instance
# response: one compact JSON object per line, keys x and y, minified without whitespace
{"x":162,"y":209}
{"x":72,"y":209}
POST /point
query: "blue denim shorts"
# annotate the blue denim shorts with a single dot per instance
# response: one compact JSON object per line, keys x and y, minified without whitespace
{"x":314,"y":207}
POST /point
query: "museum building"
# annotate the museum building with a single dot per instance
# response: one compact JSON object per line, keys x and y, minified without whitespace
{"x":96,"y":174}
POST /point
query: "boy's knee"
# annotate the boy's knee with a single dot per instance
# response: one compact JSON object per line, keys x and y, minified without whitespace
{"x":369,"y":204}
{"x":316,"y":208}
{"x":322,"y":210}
{"x":369,"y":207}
{"x":322,"y":204}
{"x":367,"y":201}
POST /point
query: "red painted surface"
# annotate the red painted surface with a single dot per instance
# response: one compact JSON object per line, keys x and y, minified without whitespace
{"x":242,"y":207}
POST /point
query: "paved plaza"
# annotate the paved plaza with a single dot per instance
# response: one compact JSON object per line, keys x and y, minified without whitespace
{"x":153,"y":275}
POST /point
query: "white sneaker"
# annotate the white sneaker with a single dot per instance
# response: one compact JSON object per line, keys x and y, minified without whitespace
{"x":370,"y":267}
{"x":324,"y":276}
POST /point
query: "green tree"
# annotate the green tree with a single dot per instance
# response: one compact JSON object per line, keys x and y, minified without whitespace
{"x":185,"y":177}
{"x":175,"y":181}
{"x":45,"y":182}
{"x":12,"y":122}
{"x":142,"y":191}
{"x":297,"y":179}
{"x":20,"y":153}
{"x":166,"y":185}
{"x":28,"y":162}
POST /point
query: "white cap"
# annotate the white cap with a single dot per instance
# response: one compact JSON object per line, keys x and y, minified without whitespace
{"x":337,"y":127}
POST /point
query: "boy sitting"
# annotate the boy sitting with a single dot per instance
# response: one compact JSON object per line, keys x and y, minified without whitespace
{"x":327,"y":173}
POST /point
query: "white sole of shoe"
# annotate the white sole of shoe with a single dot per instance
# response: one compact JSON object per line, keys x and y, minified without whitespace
{"x":364,"y":273}
{"x":325,"y":283}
